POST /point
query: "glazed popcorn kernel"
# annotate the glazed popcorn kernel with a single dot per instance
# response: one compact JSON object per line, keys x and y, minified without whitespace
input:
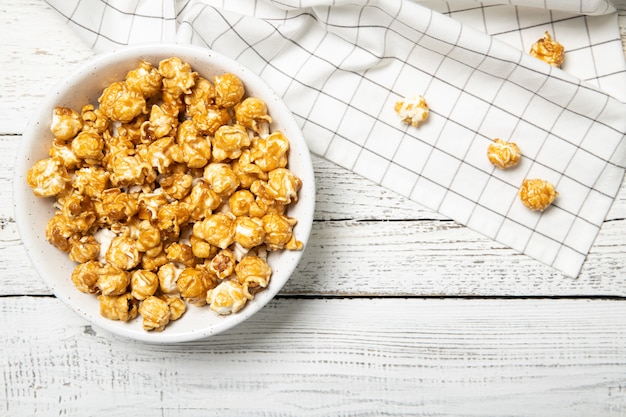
{"x":503,"y":154}
{"x":66,"y":123}
{"x":169,"y":191}
{"x":548,"y":50}
{"x":537,"y":194}
{"x":412,"y":110}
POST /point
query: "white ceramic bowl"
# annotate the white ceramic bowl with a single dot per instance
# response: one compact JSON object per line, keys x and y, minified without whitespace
{"x":84,"y":86}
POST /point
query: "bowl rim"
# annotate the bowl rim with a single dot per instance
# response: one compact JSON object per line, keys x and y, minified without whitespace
{"x":21,"y":190}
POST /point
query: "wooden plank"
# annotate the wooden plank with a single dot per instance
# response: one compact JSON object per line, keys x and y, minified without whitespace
{"x":333,"y":357}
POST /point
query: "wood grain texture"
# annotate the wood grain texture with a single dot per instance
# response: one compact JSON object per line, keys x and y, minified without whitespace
{"x":338,"y":357}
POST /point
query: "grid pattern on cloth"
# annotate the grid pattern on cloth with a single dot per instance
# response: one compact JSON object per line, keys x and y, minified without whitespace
{"x":341,"y":67}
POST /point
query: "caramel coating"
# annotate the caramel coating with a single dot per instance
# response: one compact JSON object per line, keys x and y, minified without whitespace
{"x":118,"y":307}
{"x":66,"y":123}
{"x":548,"y":50}
{"x":229,"y":90}
{"x":48,"y":177}
{"x":503,"y":154}
{"x":228,"y":297}
{"x":121,"y":103}
{"x":537,"y":194}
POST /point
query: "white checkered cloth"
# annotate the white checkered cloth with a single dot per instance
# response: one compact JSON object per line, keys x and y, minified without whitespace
{"x":341,"y":65}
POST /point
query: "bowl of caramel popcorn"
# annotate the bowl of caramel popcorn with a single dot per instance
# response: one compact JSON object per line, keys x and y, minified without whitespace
{"x":164,"y":192}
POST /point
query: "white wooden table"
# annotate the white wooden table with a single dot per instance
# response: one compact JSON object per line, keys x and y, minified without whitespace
{"x":394,"y":310}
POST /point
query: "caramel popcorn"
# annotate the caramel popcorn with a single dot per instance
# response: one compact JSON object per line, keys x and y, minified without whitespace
{"x":548,"y":50}
{"x":155,"y":313}
{"x":503,"y":154}
{"x":229,"y":90}
{"x":121,"y":103}
{"x":66,"y":123}
{"x":118,"y":307}
{"x":412,"y":110}
{"x":228,"y":297}
{"x":253,"y":273}
{"x":537,"y":194}
{"x":48,"y":177}
{"x":168,"y":191}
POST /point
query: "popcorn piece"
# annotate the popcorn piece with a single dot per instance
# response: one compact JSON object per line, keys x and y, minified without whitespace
{"x":143,"y":283}
{"x":210,"y":121}
{"x":221,"y":178}
{"x":537,"y":194}
{"x":91,"y":181}
{"x":117,"y":206}
{"x":176,"y":185}
{"x":180,"y":253}
{"x":201,"y":201}
{"x":48,"y":177}
{"x":162,"y":122}
{"x":122,"y":307}
{"x":66,"y":123}
{"x":130,"y":169}
{"x":279,"y":232}
{"x":84,"y":249}
{"x":228,"y":297}
{"x":253,"y":273}
{"x":229,"y":90}
{"x":193,"y":284}
{"x":283,"y":186}
{"x":202,"y":96}
{"x":85,"y":276}
{"x":503,"y":154}
{"x":271,"y":152}
{"x":223,"y":264}
{"x":229,"y":142}
{"x":122,"y":253}
{"x":170,"y":218}
{"x":79,"y":210}
{"x":168,"y":275}
{"x":248,"y":231}
{"x":195,"y":148}
{"x":60,"y":232}
{"x":177,"y":306}
{"x":94,"y":119}
{"x":412,"y":110}
{"x":63,"y":151}
{"x":88,"y":145}
{"x":548,"y":50}
{"x":145,"y":78}
{"x":252,"y":113}
{"x":178,"y":77}
{"x":112,"y":280}
{"x":216,"y":229}
{"x":121,"y":103}
{"x":155,"y":314}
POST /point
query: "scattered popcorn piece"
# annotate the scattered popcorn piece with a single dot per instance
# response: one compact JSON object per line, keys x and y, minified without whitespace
{"x":548,"y":50}
{"x":537,"y":194}
{"x":412,"y":110}
{"x":503,"y":154}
